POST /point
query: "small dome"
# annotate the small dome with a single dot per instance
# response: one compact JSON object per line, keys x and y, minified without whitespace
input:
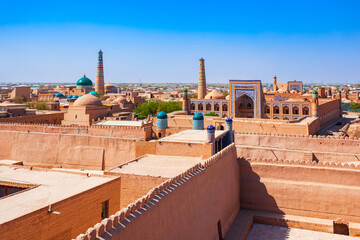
{"x":184,"y":90}
{"x":198,"y":116}
{"x":315,"y":94}
{"x":75,"y":96}
{"x":84,"y":81}
{"x":59,"y":95}
{"x":162,"y":115}
{"x":109,"y":85}
{"x":210,"y":127}
{"x":215,"y":94}
{"x":87,"y":100}
{"x":69,"y":96}
{"x":95,"y":93}
{"x":228,"y":120}
{"x":119,"y":100}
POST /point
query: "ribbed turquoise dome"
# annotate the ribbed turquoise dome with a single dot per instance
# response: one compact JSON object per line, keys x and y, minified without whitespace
{"x":59,"y":95}
{"x":198,"y":116}
{"x":162,"y":115}
{"x":314,"y":92}
{"x":84,"y":81}
{"x":95,"y":93}
{"x":75,"y":96}
{"x":69,"y":96}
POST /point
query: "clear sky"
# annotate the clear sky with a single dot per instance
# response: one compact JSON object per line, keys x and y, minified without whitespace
{"x":161,"y":41}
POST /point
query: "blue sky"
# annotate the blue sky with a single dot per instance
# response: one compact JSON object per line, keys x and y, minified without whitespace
{"x":161,"y":41}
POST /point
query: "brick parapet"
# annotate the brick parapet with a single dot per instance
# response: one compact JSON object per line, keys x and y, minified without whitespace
{"x":303,"y":163}
{"x":128,"y":214}
{"x":298,"y":136}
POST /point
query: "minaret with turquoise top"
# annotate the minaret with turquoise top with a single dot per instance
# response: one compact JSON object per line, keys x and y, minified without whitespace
{"x":99,"y":81}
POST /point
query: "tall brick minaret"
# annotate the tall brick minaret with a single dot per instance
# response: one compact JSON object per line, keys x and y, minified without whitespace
{"x":202,"y":80}
{"x":99,"y":81}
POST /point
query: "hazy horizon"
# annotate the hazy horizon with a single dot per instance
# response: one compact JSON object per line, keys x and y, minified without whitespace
{"x":153,"y":42}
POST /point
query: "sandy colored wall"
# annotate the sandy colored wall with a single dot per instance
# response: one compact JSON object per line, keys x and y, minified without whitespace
{"x":188,"y":206}
{"x":135,"y":186}
{"x":272,"y":126}
{"x":66,"y":150}
{"x":329,"y":111}
{"x":320,"y":191}
{"x":78,"y":213}
{"x":292,"y":148}
{"x":112,"y":131}
{"x":52,"y":118}
{"x":202,"y":150}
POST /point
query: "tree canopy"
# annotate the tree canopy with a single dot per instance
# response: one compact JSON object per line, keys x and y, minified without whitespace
{"x":210,"y":114}
{"x":152,"y":107}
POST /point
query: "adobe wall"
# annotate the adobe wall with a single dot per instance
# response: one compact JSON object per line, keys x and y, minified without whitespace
{"x":331,"y":149}
{"x":329,"y":111}
{"x":328,"y":191}
{"x":66,"y":150}
{"x":112,"y":131}
{"x":202,"y":150}
{"x":188,"y":206}
{"x":135,"y":186}
{"x":271,"y":126}
{"x":51,"y":118}
{"x":78,"y":213}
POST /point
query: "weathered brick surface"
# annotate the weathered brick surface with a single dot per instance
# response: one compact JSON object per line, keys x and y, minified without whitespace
{"x":78,"y":213}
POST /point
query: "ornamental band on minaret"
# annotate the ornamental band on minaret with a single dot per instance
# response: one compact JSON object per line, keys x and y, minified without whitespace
{"x":99,"y":81}
{"x":202,"y":80}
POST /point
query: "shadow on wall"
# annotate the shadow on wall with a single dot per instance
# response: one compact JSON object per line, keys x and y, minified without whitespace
{"x":255,"y":196}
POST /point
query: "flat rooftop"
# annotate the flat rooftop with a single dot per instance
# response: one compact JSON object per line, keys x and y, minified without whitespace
{"x":259,"y":231}
{"x":189,"y":136}
{"x":158,"y":165}
{"x":51,"y":187}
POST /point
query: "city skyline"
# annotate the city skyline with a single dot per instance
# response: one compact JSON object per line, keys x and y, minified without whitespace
{"x":317,"y":43}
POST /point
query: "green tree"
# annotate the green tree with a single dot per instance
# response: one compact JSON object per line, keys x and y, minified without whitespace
{"x":355,"y":106}
{"x":19,"y":99}
{"x":226,"y":93}
{"x":210,"y":114}
{"x":5,"y":91}
{"x":152,"y":107}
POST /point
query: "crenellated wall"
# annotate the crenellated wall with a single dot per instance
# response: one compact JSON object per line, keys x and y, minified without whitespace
{"x":51,"y":118}
{"x":296,"y":147}
{"x":66,"y":150}
{"x":143,"y":133}
{"x":196,"y":200}
{"x":321,"y":190}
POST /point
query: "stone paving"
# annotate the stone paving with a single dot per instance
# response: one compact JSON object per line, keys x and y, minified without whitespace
{"x":265,"y":232}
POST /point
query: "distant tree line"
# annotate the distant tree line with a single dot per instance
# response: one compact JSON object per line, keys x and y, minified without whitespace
{"x":152,"y":107}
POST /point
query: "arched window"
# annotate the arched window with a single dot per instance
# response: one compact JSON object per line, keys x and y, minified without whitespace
{"x":192,"y":106}
{"x":276,"y":117}
{"x":208,"y":107}
{"x":267,"y":109}
{"x":224,"y":107}
{"x":159,"y":134}
{"x":276,"y":110}
{"x":200,"y":107}
{"x":216,"y":107}
{"x":295,"y":110}
{"x":249,"y":105}
{"x":305,"y":111}
{"x":285,"y":110}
